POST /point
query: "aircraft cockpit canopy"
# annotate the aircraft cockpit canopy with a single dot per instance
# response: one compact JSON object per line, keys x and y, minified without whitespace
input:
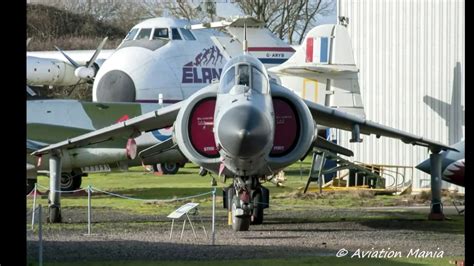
{"x":160,"y":33}
{"x":244,"y":74}
{"x":154,"y":38}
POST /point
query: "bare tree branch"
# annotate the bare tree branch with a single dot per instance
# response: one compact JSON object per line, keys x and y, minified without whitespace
{"x":288,"y":19}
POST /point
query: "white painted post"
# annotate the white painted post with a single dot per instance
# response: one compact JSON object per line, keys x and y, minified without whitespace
{"x":160,"y":100}
{"x":34,"y":207}
{"x":40,"y":236}
{"x":214,"y":216}
{"x":89,"y":210}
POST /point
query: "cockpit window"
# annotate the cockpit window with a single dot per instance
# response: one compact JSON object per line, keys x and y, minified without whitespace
{"x":243,"y":74}
{"x":160,"y":33}
{"x":187,"y":34}
{"x":131,"y":34}
{"x":259,"y":81}
{"x":175,"y":34}
{"x":144,"y":34}
{"x":228,"y":81}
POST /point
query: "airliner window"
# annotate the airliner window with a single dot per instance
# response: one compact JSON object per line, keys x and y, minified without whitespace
{"x":259,"y":81}
{"x":144,"y":34}
{"x":244,"y":75}
{"x":131,"y":34}
{"x":175,"y":34}
{"x":187,"y":34}
{"x":160,"y":33}
{"x":228,"y":81}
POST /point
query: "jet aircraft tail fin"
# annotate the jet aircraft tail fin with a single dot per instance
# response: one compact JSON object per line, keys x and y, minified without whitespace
{"x":323,"y":70}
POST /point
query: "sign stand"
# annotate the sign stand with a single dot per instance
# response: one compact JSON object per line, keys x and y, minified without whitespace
{"x":184,"y":210}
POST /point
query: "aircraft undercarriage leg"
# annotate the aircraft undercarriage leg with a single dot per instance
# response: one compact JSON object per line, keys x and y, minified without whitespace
{"x":436,"y":212}
{"x":54,"y":188}
{"x":241,"y":209}
{"x":246,"y":202}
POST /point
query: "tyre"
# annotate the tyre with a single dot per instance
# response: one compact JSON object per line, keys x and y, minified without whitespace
{"x":30,"y":185}
{"x":70,"y":182}
{"x":239,"y":223}
{"x":257,"y":212}
{"x":167,"y":168}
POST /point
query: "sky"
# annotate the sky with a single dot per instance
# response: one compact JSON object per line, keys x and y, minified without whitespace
{"x":224,"y":8}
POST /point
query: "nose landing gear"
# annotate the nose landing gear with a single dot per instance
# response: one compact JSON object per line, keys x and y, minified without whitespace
{"x":245,"y":200}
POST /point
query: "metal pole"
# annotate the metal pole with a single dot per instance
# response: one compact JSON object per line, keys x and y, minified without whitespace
{"x":214,"y":216}
{"x":172,"y":224}
{"x":182,"y":231}
{"x":301,"y":171}
{"x":192,"y":227}
{"x":320,"y":182}
{"x":40,"y":236}
{"x":34,"y":207}
{"x":55,"y":187}
{"x":89,"y":209}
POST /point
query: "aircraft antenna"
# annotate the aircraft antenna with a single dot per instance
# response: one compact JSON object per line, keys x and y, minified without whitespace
{"x":245,"y":46}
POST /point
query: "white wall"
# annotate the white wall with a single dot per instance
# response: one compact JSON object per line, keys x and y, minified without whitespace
{"x":411,"y":57}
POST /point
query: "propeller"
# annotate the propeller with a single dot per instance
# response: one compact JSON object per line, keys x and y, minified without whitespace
{"x":87,"y":71}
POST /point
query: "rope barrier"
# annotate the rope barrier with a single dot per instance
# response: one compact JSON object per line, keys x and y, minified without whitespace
{"x":63,"y":191}
{"x":151,"y":200}
{"x":130,"y":198}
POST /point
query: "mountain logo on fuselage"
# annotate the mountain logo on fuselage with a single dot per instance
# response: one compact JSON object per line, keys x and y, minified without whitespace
{"x":205,"y":67}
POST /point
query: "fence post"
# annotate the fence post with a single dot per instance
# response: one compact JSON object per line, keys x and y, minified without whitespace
{"x":213,"y":216}
{"x":34,"y":207}
{"x":89,"y":210}
{"x":40,"y":235}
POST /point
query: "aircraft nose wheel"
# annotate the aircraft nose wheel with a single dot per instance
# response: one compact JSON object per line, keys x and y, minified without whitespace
{"x":239,"y":222}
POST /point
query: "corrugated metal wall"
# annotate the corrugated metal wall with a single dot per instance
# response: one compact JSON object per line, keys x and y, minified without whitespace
{"x":411,"y":60}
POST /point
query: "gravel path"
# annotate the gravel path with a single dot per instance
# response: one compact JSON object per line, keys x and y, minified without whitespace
{"x":318,"y":232}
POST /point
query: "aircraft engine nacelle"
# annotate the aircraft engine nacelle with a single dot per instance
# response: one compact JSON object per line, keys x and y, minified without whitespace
{"x":193,"y":129}
{"x":42,"y":71}
{"x":294,"y":128}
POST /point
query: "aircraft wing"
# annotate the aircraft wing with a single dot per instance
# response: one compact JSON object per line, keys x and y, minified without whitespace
{"x":131,"y":128}
{"x":336,"y":119}
{"x":80,"y":56}
{"x":308,"y":70}
{"x":32,"y":145}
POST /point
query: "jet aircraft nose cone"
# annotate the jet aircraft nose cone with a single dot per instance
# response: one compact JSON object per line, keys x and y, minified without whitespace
{"x":244,"y":131}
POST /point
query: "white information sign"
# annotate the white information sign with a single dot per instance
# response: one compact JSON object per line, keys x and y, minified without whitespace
{"x":182,"y":210}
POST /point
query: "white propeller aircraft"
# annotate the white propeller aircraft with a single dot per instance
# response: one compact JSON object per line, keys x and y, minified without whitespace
{"x":172,"y":59}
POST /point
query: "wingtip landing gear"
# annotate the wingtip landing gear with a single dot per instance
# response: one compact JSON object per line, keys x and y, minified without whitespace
{"x":436,"y":212}
{"x":54,"y":215}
